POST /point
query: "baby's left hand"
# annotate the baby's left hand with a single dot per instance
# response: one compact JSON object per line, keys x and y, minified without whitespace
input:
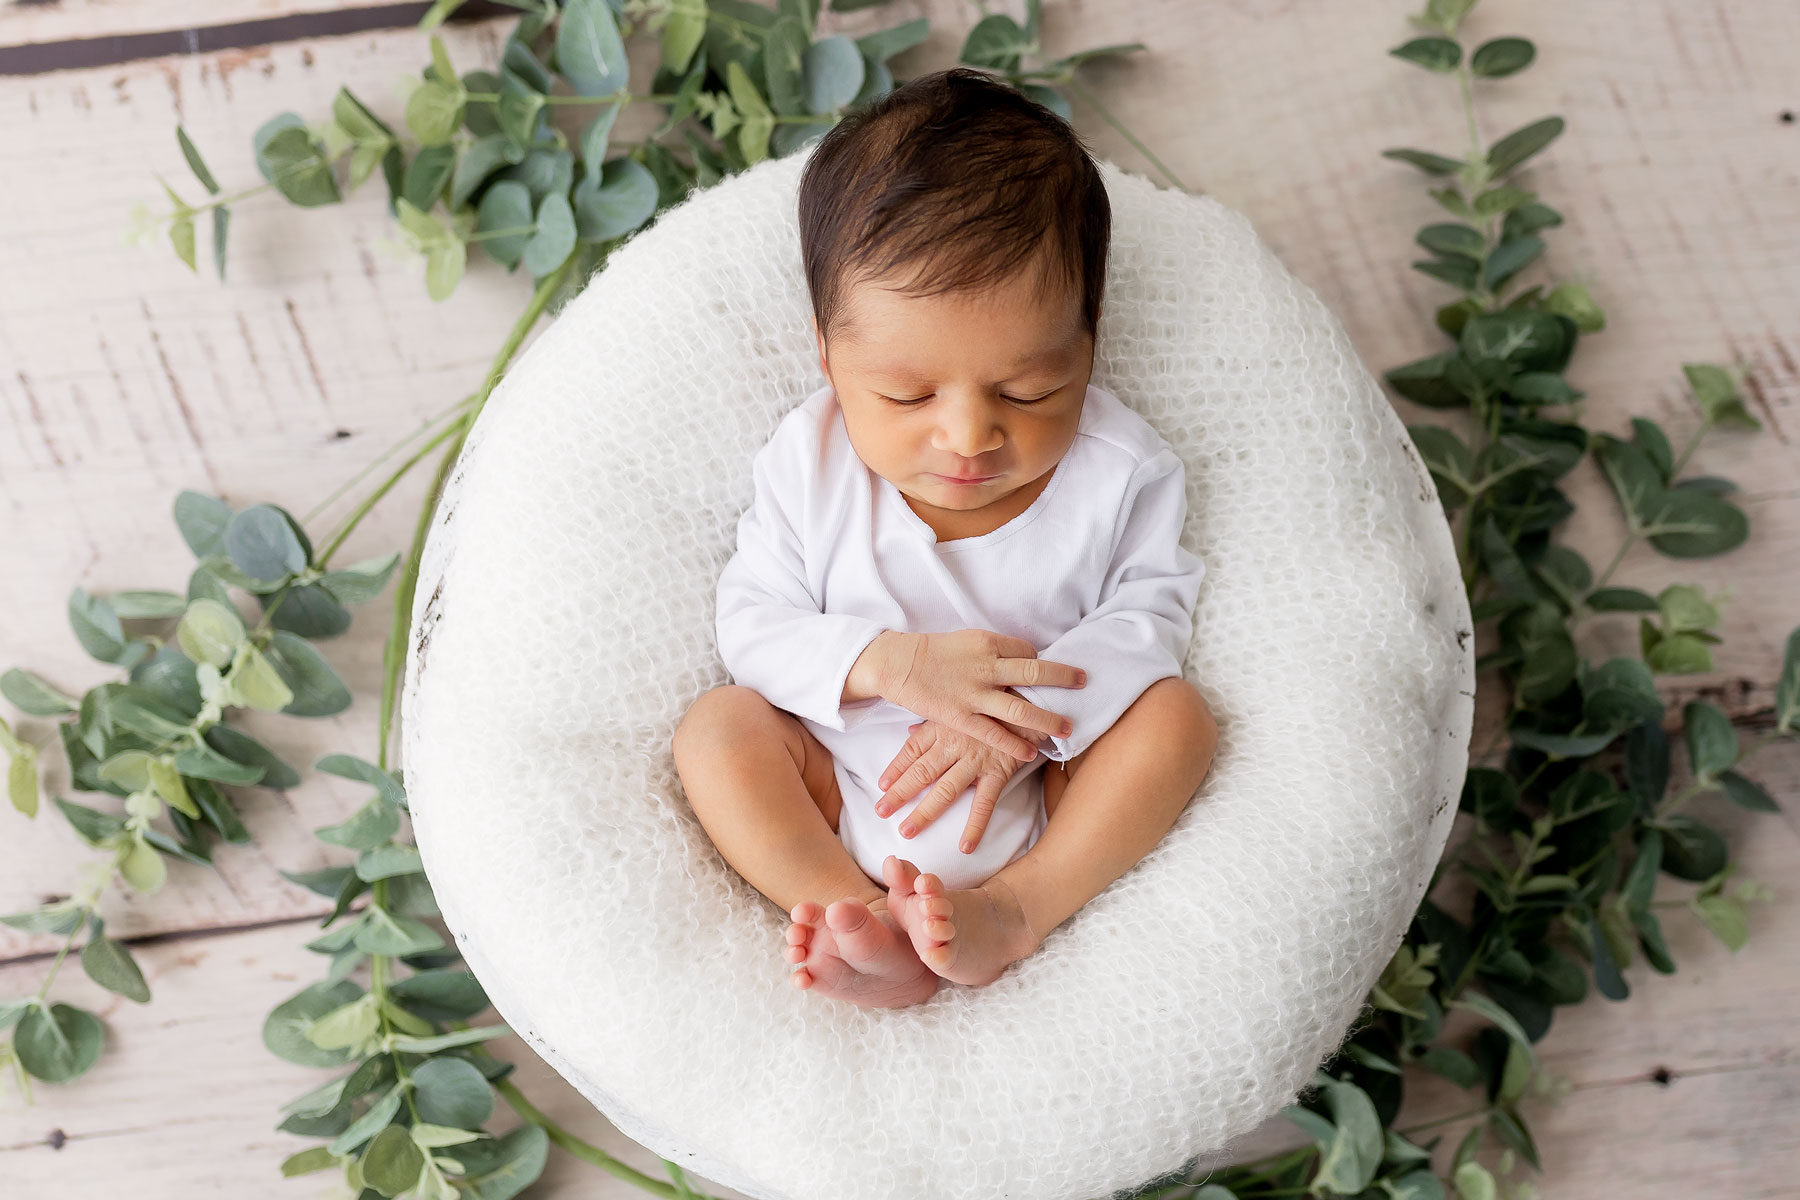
{"x":954,"y":759}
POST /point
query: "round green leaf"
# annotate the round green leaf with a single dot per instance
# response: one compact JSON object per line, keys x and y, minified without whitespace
{"x":393,"y":1163}
{"x":1502,"y":56}
{"x":210,"y":632}
{"x":831,"y":73}
{"x":620,"y":199}
{"x":434,"y":111}
{"x":143,"y":868}
{"x":1696,"y":524}
{"x":309,"y":610}
{"x":505,"y":205}
{"x":1692,"y":850}
{"x":449,"y":1091}
{"x":262,"y":543}
{"x":202,"y":520}
{"x":58,"y":1043}
{"x":589,"y":53}
{"x":284,"y":1032}
{"x":555,"y":236}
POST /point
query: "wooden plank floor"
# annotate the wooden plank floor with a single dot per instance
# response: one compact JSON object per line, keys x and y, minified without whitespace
{"x":124,"y":379}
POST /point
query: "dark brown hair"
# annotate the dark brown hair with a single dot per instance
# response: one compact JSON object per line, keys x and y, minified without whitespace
{"x":960,"y":176}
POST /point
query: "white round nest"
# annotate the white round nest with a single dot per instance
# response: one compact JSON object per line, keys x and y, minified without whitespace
{"x":564,"y":624}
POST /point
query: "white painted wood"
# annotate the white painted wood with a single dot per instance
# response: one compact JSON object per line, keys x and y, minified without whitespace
{"x":123,"y":379}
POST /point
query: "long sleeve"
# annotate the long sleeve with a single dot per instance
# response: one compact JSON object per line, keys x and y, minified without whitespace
{"x":771,"y":634}
{"x":1140,"y":630}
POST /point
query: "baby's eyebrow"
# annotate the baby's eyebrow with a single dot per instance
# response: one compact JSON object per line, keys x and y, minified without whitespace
{"x":1049,"y":358}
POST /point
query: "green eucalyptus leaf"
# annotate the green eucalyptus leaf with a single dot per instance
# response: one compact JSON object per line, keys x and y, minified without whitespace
{"x":616,"y":202}
{"x":385,"y":861}
{"x":263,"y":542}
{"x":56,"y":1043}
{"x":1747,"y":793}
{"x":1571,"y":299}
{"x":554,"y":239}
{"x":506,"y":206}
{"x":109,"y":964}
{"x":286,"y":1028}
{"x":502,"y":1167}
{"x":1426,"y":161}
{"x":240,"y":747}
{"x":393,"y":1163}
{"x":96,"y":626}
{"x":1787,"y":686}
{"x":1696,"y":524}
{"x":451,"y":1092}
{"x":32,"y":694}
{"x":434,"y":111}
{"x":317,"y":690}
{"x":1521,"y":144}
{"x":589,"y":53}
{"x":372,"y":825}
{"x":288,"y":157}
{"x":345,"y":766}
{"x":1433,"y":53}
{"x":1501,"y":56}
{"x":996,"y":42}
{"x":1716,"y":392}
{"x":1692,"y":850}
{"x":1711,"y":741}
{"x":310,"y":611}
{"x":682,"y":34}
{"x":832,"y":74}
{"x":442,"y":995}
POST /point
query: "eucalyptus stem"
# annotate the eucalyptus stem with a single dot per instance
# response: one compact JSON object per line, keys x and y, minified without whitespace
{"x":387,"y":485}
{"x":580,"y":1149}
{"x":357,"y":478}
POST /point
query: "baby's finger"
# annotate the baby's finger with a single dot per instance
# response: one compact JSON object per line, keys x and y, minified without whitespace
{"x":990,"y":732}
{"x":1038,"y":672}
{"x":914,"y":780}
{"x":917,"y":743}
{"x":939,"y":799}
{"x":987,"y":795}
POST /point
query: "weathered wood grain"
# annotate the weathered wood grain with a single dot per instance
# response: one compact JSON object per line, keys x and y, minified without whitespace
{"x":123,"y":379}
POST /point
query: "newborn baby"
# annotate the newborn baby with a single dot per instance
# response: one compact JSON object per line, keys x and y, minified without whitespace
{"x":957,"y":613}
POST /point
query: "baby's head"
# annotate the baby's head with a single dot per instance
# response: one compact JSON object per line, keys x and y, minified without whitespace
{"x":954,"y":234}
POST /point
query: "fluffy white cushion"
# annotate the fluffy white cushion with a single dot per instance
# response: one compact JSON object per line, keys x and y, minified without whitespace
{"x":564,"y":624}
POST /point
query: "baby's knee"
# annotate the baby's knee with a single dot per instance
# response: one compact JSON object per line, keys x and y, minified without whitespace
{"x":1180,"y":716}
{"x":719,"y":716}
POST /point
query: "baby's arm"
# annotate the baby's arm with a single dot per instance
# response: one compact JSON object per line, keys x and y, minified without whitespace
{"x":1140,"y":631}
{"x":770,"y":632}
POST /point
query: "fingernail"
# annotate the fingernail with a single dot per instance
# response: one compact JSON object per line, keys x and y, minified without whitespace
{"x":906,"y":831}
{"x":1067,"y":729}
{"x":1081,"y":677}
{"x":968,"y":847}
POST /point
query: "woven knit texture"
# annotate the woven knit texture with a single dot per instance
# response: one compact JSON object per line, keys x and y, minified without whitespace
{"x":564,"y":624}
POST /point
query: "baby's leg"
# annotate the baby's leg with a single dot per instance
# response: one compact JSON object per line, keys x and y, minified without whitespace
{"x":1121,"y":796}
{"x":766,"y":792}
{"x":1115,"y":802}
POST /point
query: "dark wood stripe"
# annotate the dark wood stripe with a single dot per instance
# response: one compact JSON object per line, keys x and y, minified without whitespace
{"x":77,"y":54}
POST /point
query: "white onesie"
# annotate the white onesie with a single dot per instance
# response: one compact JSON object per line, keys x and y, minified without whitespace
{"x":829,"y":556}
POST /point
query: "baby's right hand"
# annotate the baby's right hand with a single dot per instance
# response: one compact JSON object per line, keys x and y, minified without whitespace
{"x":960,"y":679}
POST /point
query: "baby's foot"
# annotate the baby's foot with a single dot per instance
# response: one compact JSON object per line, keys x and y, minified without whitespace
{"x":856,"y":952}
{"x":965,"y":935}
